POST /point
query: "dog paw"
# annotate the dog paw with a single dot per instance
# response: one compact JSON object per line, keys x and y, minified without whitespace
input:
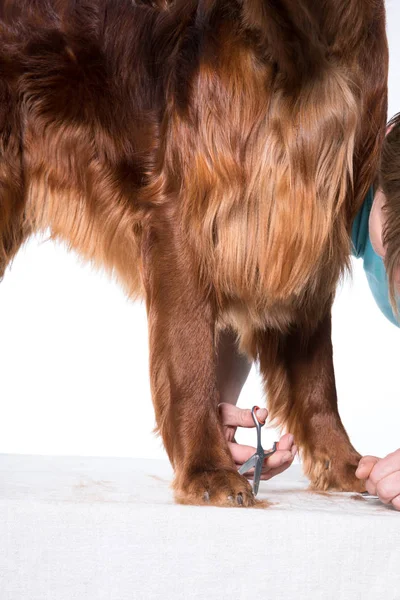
{"x":336,"y":474}
{"x":215,"y":488}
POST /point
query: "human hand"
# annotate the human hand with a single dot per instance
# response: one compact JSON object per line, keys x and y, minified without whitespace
{"x":233,"y":417}
{"x":382,"y":477}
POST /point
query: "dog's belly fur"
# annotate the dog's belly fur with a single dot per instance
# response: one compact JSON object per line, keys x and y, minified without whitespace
{"x":116,"y":246}
{"x":113,"y":244}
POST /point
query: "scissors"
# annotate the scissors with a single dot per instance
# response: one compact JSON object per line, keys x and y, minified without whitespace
{"x":257,"y":460}
{"x":368,"y":496}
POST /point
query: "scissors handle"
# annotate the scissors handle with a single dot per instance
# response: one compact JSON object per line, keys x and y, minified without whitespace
{"x":258,"y":425}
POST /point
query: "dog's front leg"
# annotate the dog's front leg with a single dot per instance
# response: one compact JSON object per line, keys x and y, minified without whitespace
{"x":299,"y":374}
{"x":183,"y":376}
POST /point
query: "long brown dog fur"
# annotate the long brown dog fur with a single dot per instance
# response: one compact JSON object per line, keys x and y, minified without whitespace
{"x":212,"y":154}
{"x":389,"y":179}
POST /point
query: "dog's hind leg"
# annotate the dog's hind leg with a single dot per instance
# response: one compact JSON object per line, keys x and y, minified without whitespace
{"x":183,"y":375}
{"x":301,"y":392}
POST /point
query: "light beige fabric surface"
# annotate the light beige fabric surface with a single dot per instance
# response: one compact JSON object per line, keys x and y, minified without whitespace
{"x":108,"y":529}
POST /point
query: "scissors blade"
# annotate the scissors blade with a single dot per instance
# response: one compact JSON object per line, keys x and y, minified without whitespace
{"x":257,"y":475}
{"x":248,"y":465}
{"x":368,"y":496}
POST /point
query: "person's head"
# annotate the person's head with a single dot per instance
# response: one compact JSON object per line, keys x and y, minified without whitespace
{"x":385,"y":215}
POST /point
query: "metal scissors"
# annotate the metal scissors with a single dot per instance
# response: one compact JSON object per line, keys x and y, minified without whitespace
{"x":368,"y":496}
{"x":257,"y":460}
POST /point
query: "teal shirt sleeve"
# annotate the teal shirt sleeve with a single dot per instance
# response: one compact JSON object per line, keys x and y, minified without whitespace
{"x":374,"y":266}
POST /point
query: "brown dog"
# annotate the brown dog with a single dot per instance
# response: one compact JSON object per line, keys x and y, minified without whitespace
{"x":211,"y":153}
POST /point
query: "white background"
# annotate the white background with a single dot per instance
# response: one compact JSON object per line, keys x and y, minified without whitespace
{"x":73,"y":354}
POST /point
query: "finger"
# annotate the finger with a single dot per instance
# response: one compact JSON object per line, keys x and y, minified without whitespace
{"x":388,"y":488}
{"x":370,"y":487}
{"x":396,"y":502}
{"x":238,"y":417}
{"x":365,"y":466}
{"x":279,"y":458}
{"x":240,"y":453}
{"x":285,"y":453}
{"x":276,"y":461}
{"x":268,"y":473}
{"x":286,"y":442}
{"x":384,"y":467}
{"x":274,"y":472}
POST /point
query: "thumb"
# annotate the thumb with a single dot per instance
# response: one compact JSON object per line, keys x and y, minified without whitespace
{"x":365,"y":466}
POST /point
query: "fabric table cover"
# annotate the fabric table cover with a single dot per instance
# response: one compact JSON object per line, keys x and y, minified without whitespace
{"x":108,"y":529}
